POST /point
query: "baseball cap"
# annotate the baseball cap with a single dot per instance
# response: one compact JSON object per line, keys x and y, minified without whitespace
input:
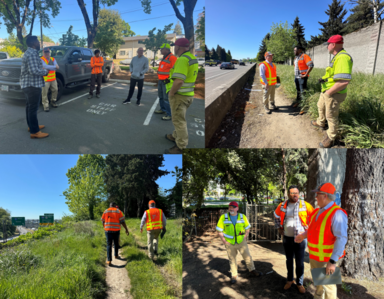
{"x":233,"y":203}
{"x":151,"y":201}
{"x":182,"y":42}
{"x":46,"y":49}
{"x":267,"y":53}
{"x":326,"y":188}
{"x":165,"y":45}
{"x":337,"y":39}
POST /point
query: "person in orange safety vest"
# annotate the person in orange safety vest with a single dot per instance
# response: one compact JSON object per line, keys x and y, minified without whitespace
{"x":327,"y":237}
{"x":50,"y":64}
{"x":268,"y":79}
{"x":97,"y":63}
{"x":155,"y":221}
{"x":112,"y":219}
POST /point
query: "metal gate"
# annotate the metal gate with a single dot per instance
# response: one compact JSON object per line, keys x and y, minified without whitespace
{"x":263,"y":223}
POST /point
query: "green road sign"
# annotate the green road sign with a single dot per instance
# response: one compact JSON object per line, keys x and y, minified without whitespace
{"x":45,"y":220}
{"x":17,"y":221}
{"x":48,"y":214}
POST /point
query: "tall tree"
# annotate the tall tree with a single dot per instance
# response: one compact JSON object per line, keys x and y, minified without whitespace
{"x":214,"y":55}
{"x":46,"y":39}
{"x":362,"y":198}
{"x":229,"y":56}
{"x":5,"y":216}
{"x":377,"y":7}
{"x":316,"y":40}
{"x":299,"y":33}
{"x":223,"y":55}
{"x":207,"y":55}
{"x":218,"y":50}
{"x":186,"y":20}
{"x":17,"y":13}
{"x":71,"y":39}
{"x":86,"y":191}
{"x":93,"y":26}
{"x":127,"y":32}
{"x":361,"y":16}
{"x":281,"y":42}
{"x":200,"y":29}
{"x":263,"y":48}
{"x":335,"y":23}
{"x":178,"y":30}
{"x":176,"y":193}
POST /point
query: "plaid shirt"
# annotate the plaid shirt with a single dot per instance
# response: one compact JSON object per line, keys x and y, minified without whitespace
{"x":32,"y":71}
{"x":299,"y":228}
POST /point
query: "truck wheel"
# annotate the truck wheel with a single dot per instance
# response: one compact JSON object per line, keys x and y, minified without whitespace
{"x":60,"y":88}
{"x":106,"y":76}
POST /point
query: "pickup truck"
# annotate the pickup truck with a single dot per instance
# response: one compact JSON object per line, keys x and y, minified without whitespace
{"x":74,"y":70}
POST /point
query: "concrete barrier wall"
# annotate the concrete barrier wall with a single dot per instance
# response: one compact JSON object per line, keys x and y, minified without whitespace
{"x":366,"y":46}
{"x":215,"y":112}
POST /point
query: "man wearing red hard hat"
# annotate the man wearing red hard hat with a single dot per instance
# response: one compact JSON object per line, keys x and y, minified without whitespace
{"x":327,"y":237}
{"x":233,"y":230}
{"x":333,"y":89}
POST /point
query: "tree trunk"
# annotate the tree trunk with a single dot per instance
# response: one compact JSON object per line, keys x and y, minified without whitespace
{"x":362,"y":198}
{"x":313,"y":171}
{"x":285,"y":175}
{"x":90,"y":207}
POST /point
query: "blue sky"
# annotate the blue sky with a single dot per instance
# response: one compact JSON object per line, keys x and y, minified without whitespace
{"x":31,"y":185}
{"x":131,"y":12}
{"x":240,"y":26}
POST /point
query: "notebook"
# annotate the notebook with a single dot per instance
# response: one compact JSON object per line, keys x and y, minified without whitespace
{"x":320,"y":278}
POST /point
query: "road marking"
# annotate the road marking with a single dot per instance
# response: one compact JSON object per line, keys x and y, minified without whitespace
{"x":150,"y":113}
{"x":199,"y":123}
{"x":216,"y":76}
{"x":66,"y":102}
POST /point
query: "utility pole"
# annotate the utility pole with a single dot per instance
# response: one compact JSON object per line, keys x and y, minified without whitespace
{"x":41,"y":25}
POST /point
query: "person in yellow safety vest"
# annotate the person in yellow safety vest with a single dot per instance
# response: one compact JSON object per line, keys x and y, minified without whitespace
{"x":165,"y":67}
{"x":112,"y":219}
{"x":50,"y":64}
{"x":333,"y":89}
{"x":327,"y":236}
{"x":155,"y":221}
{"x":233,"y":228}
{"x":181,"y":87}
{"x":303,"y":66}
{"x":268,"y":79}
{"x":291,"y":219}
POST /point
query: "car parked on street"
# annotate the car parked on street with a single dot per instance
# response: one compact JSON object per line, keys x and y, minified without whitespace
{"x":211,"y":62}
{"x":126,"y":61}
{"x":227,"y":65}
{"x":74,"y":70}
{"x":201,"y":61}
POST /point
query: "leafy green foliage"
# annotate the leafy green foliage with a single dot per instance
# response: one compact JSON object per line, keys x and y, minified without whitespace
{"x":71,"y":39}
{"x":263,"y":48}
{"x":5,"y":216}
{"x":12,"y":51}
{"x":361,"y":16}
{"x":178,"y":30}
{"x":46,"y":39}
{"x":299,"y":33}
{"x":127,"y":30}
{"x":281,"y":42}
{"x":200,"y":31}
{"x":335,"y":23}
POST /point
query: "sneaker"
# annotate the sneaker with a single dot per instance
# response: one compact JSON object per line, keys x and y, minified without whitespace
{"x":127,"y":102}
{"x":97,"y":96}
{"x":167,"y":117}
{"x":90,"y":96}
{"x":274,"y":107}
{"x":138,"y":103}
{"x":54,"y":105}
{"x":159,"y":112}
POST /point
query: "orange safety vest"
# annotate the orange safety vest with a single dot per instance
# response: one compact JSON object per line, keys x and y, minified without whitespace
{"x":112,"y":218}
{"x":154,"y":219}
{"x":303,"y":62}
{"x":270,"y":74}
{"x":97,"y":64}
{"x":165,"y":66}
{"x":321,"y":240}
{"x":305,"y":209}
{"x":51,"y":74}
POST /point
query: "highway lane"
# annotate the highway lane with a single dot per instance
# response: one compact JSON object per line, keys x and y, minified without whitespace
{"x":217,"y":79}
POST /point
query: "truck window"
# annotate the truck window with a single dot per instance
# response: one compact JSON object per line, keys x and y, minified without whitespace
{"x":3,"y":56}
{"x":87,"y":54}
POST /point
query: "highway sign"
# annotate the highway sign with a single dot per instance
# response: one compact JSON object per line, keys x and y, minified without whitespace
{"x":47,"y":214}
{"x":45,"y":220}
{"x":17,"y":221}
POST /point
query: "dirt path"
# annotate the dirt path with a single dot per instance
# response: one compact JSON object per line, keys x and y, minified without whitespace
{"x":206,"y":274}
{"x":247,"y":125}
{"x":118,"y":280}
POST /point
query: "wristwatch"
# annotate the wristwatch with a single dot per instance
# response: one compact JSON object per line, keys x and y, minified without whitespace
{"x":332,"y":261}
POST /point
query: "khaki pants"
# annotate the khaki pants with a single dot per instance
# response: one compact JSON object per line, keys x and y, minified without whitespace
{"x":326,"y":291}
{"x":269,"y":96}
{"x":152,"y":241}
{"x":244,"y":251}
{"x":44,"y":93}
{"x":179,"y":105}
{"x":328,"y":107}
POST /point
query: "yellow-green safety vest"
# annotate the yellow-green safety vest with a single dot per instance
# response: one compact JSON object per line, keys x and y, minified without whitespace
{"x":226,"y":226}
{"x":185,"y":68}
{"x":340,"y":68}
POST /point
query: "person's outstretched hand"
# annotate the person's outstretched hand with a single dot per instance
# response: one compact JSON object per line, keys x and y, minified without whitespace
{"x":127,"y":232}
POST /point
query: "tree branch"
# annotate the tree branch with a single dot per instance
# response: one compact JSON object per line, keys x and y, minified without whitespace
{"x":33,"y":17}
{"x":95,"y":12}
{"x":9,"y":12}
{"x":85,"y":14}
{"x":178,"y":14}
{"x":17,"y":10}
{"x":26,"y":11}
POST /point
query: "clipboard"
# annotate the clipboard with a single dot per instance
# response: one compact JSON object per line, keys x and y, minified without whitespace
{"x":320,"y":278}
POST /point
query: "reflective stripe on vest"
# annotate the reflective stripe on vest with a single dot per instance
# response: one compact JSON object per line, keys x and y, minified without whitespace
{"x":154,"y":219}
{"x":303,"y":67}
{"x":51,"y":74}
{"x":112,"y":219}
{"x":283,"y":211}
{"x":270,"y":74}
{"x":165,"y":66}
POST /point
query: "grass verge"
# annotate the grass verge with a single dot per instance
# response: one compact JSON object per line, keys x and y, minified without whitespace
{"x":361,"y":114}
{"x":68,"y":264}
{"x":162,"y":278}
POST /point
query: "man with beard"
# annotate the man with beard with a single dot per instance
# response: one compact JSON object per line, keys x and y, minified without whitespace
{"x":233,"y":230}
{"x":291,"y":220}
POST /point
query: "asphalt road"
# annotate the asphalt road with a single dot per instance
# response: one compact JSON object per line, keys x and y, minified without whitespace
{"x":97,"y":126}
{"x":217,"y":79}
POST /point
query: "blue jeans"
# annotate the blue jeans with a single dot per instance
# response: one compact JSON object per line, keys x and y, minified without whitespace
{"x":163,"y":98}
{"x":295,"y":250}
{"x":301,"y":86}
{"x":112,"y":236}
{"x":32,"y":96}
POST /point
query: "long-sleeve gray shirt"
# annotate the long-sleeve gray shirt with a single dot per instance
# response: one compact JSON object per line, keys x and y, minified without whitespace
{"x":138,"y":67}
{"x":47,"y":66}
{"x":144,"y":219}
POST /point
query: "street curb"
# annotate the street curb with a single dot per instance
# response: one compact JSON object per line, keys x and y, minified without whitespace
{"x":127,"y":82}
{"x":217,"y":109}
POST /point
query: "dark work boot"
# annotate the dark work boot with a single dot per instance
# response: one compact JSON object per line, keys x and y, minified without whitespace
{"x":326,"y":143}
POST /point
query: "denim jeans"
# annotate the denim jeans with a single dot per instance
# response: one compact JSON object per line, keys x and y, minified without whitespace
{"x":140,"y":83}
{"x":32,"y":96}
{"x":112,"y":236}
{"x":295,"y":250}
{"x":301,"y":87}
{"x":163,"y":98}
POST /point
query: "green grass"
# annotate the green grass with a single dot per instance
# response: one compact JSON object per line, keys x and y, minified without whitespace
{"x":361,"y":114}
{"x":162,"y":279}
{"x":126,"y":68}
{"x":67,"y":264}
